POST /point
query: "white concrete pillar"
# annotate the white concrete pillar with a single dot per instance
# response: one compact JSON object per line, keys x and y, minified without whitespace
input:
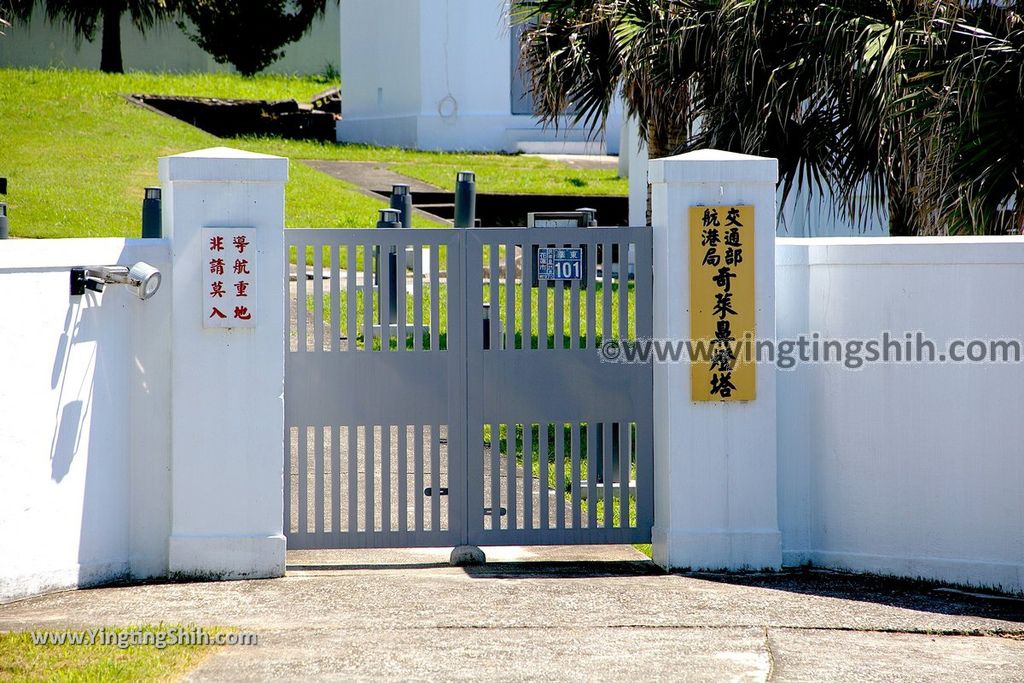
{"x":715,"y":463}
{"x":638,"y":171}
{"x":227,"y":408}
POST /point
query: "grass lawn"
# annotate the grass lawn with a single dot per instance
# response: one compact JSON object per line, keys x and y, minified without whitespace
{"x":23,"y":660}
{"x":77,"y":154}
{"x":552,"y":339}
{"x":500,"y":173}
{"x":545,"y":464}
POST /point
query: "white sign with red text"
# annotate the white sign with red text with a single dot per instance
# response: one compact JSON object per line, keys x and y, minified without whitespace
{"x":229,"y":277}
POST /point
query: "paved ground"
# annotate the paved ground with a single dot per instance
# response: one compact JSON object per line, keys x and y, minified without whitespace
{"x":563,"y":614}
{"x":380,"y":175}
{"x":370,"y":176}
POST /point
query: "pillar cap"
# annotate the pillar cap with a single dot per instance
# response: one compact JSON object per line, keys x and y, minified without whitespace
{"x":714,"y":166}
{"x":223,"y":164}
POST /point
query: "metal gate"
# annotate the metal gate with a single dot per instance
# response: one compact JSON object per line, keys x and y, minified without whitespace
{"x":437,"y":393}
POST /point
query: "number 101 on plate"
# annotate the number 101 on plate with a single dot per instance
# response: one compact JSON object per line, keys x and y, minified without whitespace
{"x":559,"y":264}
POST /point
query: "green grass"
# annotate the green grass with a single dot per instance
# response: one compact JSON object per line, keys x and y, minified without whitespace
{"x":537,"y":441}
{"x":78,"y":155}
{"x":499,"y":173}
{"x":551,"y":342}
{"x":548,"y":461}
{"x":22,"y":660}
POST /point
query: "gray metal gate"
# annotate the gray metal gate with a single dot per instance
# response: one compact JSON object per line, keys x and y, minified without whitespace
{"x":454,"y":401}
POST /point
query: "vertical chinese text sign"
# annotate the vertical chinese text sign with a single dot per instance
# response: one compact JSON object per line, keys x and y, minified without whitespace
{"x":722,"y":303}
{"x":229,"y":277}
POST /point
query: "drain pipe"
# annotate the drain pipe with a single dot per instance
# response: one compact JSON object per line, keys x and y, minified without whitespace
{"x":465,"y":199}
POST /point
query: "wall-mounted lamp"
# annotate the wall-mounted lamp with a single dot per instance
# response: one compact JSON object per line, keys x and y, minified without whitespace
{"x":142,"y":277}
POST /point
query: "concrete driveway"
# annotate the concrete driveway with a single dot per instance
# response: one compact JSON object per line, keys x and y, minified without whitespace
{"x":576,"y":613}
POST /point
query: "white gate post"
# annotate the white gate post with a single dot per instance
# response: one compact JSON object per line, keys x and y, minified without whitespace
{"x":227,"y":409}
{"x":714,"y":462}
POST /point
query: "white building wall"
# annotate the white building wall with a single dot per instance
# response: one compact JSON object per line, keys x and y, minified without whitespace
{"x":84,"y":385}
{"x":371,"y":86}
{"x":437,"y":74}
{"x":906,"y":469}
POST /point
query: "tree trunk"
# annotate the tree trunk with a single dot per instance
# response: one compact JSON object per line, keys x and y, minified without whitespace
{"x":901,"y":223}
{"x":655,"y":150}
{"x":110,"y":54}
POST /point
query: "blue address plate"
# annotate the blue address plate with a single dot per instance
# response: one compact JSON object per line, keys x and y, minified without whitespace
{"x":559,"y":264}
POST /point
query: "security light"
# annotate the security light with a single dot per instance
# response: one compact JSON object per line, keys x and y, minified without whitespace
{"x":142,"y":277}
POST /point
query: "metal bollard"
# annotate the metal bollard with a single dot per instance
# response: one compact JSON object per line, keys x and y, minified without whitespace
{"x":487,"y":326}
{"x":152,"y":220}
{"x":588,"y":219}
{"x":401,"y":199}
{"x":465,"y":199}
{"x":599,"y":448}
{"x":4,"y":227}
{"x":389,"y":219}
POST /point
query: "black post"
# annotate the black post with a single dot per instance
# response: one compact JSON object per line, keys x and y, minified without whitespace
{"x":4,"y":228}
{"x":588,"y":218}
{"x":152,"y":220}
{"x":599,"y":465}
{"x":465,"y":199}
{"x":389,"y":219}
{"x":487,"y":327}
{"x":401,"y":199}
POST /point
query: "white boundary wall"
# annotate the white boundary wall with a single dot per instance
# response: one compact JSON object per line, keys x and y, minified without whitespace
{"x":915,"y":469}
{"x":84,"y":395}
{"x":134,"y":443}
{"x":114,"y":465}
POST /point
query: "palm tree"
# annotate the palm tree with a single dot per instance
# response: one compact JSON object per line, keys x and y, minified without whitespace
{"x":843,"y":93}
{"x":83,"y":16}
{"x":968,"y":109}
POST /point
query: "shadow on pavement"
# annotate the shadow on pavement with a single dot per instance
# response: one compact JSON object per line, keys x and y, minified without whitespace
{"x":505,"y":570}
{"x":922,"y":596}
{"x":563,"y":570}
{"x":316,"y":567}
